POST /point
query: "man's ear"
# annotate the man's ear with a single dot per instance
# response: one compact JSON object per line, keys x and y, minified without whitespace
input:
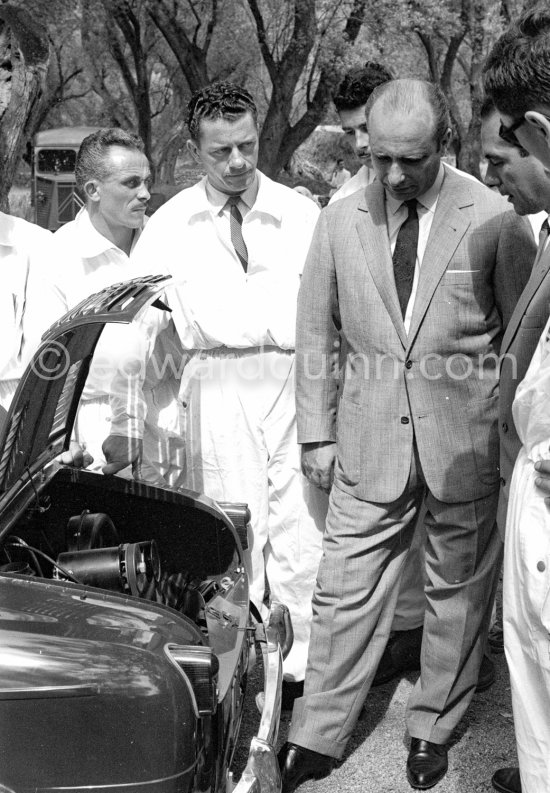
{"x":193,"y":150}
{"x":91,"y":188}
{"x":539,"y":121}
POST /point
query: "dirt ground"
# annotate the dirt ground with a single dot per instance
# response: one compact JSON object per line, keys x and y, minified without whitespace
{"x":376,"y":756}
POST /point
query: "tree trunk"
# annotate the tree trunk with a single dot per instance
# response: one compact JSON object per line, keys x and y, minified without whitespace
{"x":23,"y":45}
{"x":167,"y":162}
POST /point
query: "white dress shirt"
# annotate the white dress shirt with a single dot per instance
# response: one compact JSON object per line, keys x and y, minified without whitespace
{"x":86,"y":261}
{"x":397,"y":213}
{"x":27,"y":303}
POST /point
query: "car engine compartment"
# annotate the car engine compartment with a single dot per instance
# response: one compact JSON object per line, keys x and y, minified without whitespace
{"x":126,"y":537}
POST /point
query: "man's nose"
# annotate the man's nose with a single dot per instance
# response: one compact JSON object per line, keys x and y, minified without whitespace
{"x":395,"y":175}
{"x":236,"y":159}
{"x":361,"y":139}
{"x":491,"y":176}
{"x":144,"y":193}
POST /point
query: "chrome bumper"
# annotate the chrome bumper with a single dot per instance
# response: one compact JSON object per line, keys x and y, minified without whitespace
{"x":261,"y":774}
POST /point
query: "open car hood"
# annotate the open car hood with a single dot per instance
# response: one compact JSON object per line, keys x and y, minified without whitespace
{"x":41,"y":417}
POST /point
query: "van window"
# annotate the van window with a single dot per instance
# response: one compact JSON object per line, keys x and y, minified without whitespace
{"x":56,"y":161}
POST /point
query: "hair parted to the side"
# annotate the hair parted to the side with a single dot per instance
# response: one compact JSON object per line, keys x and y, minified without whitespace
{"x":219,"y":100}
{"x":358,"y":85}
{"x":91,"y":157}
{"x":516,"y":73}
{"x":406,"y":96}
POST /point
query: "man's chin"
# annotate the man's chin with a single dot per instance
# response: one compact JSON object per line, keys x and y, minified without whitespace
{"x":519,"y":208}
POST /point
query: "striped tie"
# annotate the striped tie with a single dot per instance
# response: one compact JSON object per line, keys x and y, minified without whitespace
{"x":236,"y":222}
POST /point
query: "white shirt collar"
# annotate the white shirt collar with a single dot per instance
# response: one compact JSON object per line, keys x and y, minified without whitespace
{"x":428,"y":199}
{"x":91,"y":241}
{"x":261,"y":198}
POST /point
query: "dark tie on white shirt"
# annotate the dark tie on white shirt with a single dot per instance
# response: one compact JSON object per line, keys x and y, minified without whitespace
{"x":404,"y":255}
{"x":235,"y":223}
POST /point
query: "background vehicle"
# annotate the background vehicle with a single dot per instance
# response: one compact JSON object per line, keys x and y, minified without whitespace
{"x":54,"y":195}
{"x":124,"y":616}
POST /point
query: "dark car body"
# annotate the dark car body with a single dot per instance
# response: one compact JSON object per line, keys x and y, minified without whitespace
{"x":125,"y":625}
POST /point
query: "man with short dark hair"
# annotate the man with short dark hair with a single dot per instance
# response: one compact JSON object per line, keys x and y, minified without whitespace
{"x":419,"y":274}
{"x":517,"y":78}
{"x":236,"y":243}
{"x":350,"y":101}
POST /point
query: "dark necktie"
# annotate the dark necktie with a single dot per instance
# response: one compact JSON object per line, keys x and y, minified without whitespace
{"x":235,"y":223}
{"x":404,"y":255}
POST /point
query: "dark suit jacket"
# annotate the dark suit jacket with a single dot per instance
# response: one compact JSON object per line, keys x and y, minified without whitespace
{"x":518,"y":346}
{"x":437,"y":384}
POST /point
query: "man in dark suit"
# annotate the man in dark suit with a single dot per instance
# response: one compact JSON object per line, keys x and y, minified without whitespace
{"x":420,"y":274}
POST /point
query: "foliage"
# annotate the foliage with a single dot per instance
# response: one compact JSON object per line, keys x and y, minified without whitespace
{"x":135,"y":63}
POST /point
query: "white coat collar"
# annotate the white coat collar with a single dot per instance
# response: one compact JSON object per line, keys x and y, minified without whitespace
{"x":268,"y":199}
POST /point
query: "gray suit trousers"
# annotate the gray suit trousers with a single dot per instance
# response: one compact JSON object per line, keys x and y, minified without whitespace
{"x":364,"y":550}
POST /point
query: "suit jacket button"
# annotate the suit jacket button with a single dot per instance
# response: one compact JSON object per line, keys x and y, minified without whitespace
{"x":541,"y":567}
{"x":504,"y":426}
{"x":408,"y":365}
{"x":404,"y":419}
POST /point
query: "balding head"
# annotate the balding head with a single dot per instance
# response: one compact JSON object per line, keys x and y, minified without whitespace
{"x":413,"y":98}
{"x":408,"y":131}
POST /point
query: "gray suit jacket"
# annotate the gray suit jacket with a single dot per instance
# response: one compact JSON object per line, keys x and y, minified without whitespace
{"x":518,"y":346}
{"x":439,"y":383}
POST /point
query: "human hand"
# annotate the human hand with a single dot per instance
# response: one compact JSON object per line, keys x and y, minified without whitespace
{"x":318,"y":463}
{"x":543,"y":479}
{"x":120,"y":452}
{"x":76,"y":455}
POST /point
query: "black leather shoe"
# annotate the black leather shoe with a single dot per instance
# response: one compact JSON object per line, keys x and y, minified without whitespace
{"x":298,"y":764}
{"x":426,"y":763}
{"x":291,"y":691}
{"x":402,"y":654}
{"x":487,"y":674}
{"x":507,"y":780}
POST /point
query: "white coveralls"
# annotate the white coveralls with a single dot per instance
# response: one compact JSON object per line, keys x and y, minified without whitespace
{"x":238,"y":386}
{"x":526,"y":591}
{"x":28,"y":305}
{"x":87,"y":262}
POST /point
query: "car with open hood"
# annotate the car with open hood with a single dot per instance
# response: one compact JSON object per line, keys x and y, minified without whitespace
{"x":126,"y":630}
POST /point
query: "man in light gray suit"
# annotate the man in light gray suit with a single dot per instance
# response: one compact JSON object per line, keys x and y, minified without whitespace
{"x":419,"y":274}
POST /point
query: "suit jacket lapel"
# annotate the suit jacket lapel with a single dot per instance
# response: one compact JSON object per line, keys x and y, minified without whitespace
{"x":540,"y":269}
{"x":373,"y":234}
{"x":448,"y":227}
